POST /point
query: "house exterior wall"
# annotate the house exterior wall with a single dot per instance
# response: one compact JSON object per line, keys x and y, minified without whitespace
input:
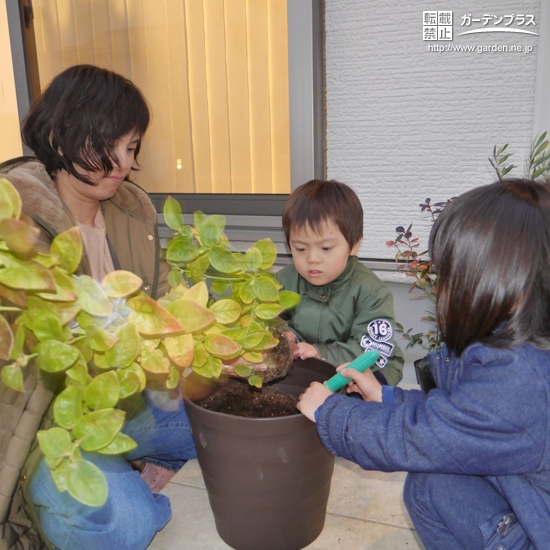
{"x":405,"y":123}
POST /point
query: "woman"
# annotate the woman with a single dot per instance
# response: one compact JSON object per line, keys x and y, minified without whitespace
{"x":86,"y":132}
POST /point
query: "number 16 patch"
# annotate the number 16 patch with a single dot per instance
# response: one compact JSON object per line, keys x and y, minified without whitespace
{"x":380,"y":330}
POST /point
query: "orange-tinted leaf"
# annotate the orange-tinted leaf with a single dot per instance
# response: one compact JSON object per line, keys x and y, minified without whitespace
{"x":6,"y":339}
{"x":68,"y":247}
{"x":191,"y":315}
{"x":119,"y":284}
{"x":180,"y":349}
{"x":152,"y":319}
{"x":20,"y":236}
{"x":222,"y":346}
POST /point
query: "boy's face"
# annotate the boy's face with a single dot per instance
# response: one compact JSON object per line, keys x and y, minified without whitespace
{"x":320,"y":257}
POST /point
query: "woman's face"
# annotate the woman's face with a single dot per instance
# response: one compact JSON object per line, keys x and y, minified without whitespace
{"x":105,"y":185}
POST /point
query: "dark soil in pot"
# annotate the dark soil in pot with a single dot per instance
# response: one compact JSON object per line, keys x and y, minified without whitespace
{"x":241,"y":399}
{"x":424,"y":375}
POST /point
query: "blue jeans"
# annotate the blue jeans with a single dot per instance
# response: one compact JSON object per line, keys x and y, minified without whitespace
{"x":132,"y":514}
{"x":458,"y":512}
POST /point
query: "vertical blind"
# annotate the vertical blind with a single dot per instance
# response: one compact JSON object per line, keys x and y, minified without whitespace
{"x":214,"y":71}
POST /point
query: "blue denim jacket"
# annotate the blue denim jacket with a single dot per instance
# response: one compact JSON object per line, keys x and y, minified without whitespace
{"x":489,"y":416}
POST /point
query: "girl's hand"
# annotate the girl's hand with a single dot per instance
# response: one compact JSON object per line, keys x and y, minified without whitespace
{"x":312,"y":399}
{"x":364,"y":383}
{"x":305,"y":351}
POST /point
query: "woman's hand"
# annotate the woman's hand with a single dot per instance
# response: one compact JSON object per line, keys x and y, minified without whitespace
{"x":364,"y":383}
{"x":312,"y":399}
{"x":228,"y":366}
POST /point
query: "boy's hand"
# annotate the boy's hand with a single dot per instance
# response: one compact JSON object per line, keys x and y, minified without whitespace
{"x":305,"y":351}
{"x":312,"y":399}
{"x":364,"y":383}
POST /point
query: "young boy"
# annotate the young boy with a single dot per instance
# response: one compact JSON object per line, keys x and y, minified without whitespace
{"x":344,"y":308}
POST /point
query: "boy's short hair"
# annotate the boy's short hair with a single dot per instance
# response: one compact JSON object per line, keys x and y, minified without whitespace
{"x":317,"y":201}
{"x":79,"y":118}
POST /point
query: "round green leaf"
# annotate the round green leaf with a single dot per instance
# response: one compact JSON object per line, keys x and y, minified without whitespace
{"x":55,"y":442}
{"x":197,"y":293}
{"x":268,"y":311}
{"x":266,"y":289}
{"x":191,"y":315}
{"x":26,"y":275}
{"x":220,"y":286}
{"x":181,"y":250}
{"x":20,"y":236}
{"x":97,"y":429}
{"x":198,"y":266}
{"x":268,"y":251}
{"x":103,"y":391}
{"x":210,"y":229}
{"x":180,"y":349}
{"x":138,"y":371}
{"x":68,"y":247}
{"x":253,"y":259}
{"x":10,"y":201}
{"x":6,"y":339}
{"x":173,"y":378}
{"x":92,"y":298}
{"x":54,"y":356}
{"x":289,"y":299}
{"x":152,"y":319}
{"x":129,"y":382}
{"x":173,"y":217}
{"x":119,"y":284}
{"x":86,"y":483}
{"x":122,"y":443}
{"x":221,"y":346}
{"x":12,"y":376}
{"x":223,"y":260}
{"x":227,"y":311}
{"x":243,"y":370}
{"x":155,"y":362}
{"x":255,"y":381}
{"x":79,"y":371}
{"x":67,"y":407}
{"x":126,"y":349}
{"x":246,"y":291}
{"x":253,"y":340}
{"x":100,"y":339}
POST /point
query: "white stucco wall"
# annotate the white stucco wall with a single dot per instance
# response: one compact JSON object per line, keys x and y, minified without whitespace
{"x":404,"y":123}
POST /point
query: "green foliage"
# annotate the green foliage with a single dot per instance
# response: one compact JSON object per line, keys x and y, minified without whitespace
{"x":235,"y":314}
{"x":108,"y":340}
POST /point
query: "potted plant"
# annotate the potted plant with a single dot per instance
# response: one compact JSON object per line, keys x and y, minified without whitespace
{"x":268,"y":477}
{"x":101,"y":343}
{"x":419,"y":267}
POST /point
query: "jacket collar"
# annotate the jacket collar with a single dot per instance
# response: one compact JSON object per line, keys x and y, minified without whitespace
{"x":40,"y":197}
{"x":324,"y":293}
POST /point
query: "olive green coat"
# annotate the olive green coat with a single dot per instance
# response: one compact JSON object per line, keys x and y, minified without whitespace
{"x":132,"y":234}
{"x":344,"y":318}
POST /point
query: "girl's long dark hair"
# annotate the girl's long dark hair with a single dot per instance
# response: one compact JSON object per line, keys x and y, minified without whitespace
{"x":79,"y":118}
{"x":491,"y":248}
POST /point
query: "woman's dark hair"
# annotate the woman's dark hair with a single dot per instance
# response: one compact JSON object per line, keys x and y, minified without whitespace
{"x":79,"y":118}
{"x":316,"y":201}
{"x":491,"y":248}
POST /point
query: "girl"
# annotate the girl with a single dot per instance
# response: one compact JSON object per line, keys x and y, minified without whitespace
{"x":477,"y":448}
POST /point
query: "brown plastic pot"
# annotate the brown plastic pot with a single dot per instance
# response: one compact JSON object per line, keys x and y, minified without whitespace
{"x":268,"y":479}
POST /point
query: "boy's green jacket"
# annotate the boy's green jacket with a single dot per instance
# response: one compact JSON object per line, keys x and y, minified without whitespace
{"x":344,"y":318}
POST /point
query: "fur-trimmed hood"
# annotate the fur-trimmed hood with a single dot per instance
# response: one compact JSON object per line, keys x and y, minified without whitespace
{"x":40,"y":197}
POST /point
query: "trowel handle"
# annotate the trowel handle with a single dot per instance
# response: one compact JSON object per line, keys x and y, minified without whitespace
{"x":361,"y":364}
